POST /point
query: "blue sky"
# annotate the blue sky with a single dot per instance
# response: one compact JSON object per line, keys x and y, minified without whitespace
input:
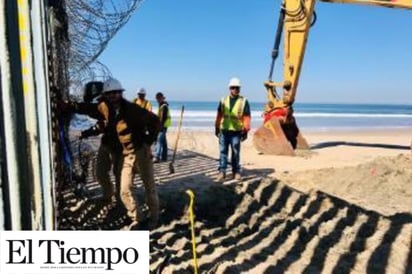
{"x":190,"y":49}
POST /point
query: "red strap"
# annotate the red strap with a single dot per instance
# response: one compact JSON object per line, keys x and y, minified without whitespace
{"x":280,"y":112}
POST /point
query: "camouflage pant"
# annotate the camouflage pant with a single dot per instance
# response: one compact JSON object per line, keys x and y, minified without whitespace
{"x":139,"y":160}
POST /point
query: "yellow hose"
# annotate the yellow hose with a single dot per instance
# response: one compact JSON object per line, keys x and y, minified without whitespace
{"x":192,"y":228}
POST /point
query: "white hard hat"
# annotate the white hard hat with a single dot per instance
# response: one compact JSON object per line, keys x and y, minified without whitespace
{"x":234,"y":82}
{"x":142,"y":91}
{"x":112,"y":84}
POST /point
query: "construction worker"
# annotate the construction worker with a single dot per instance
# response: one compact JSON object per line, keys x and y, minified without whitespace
{"x":141,"y":101}
{"x":136,"y":129}
{"x":165,"y":121}
{"x":232,"y":125}
{"x":109,"y":155}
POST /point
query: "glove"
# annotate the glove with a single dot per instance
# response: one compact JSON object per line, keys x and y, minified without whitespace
{"x":243,"y":135}
{"x":217,"y":132}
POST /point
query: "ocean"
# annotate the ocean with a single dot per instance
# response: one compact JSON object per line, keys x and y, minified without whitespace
{"x":310,"y":116}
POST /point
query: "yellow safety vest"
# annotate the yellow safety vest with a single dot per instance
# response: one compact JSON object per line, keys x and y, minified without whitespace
{"x":144,"y":104}
{"x":168,"y":121}
{"x":232,"y":118}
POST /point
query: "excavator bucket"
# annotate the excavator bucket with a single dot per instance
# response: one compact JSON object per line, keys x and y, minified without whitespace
{"x":301,"y":142}
{"x":270,"y":139}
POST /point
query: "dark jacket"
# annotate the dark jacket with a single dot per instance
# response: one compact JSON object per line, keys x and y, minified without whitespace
{"x":136,"y":126}
{"x":107,"y":127}
{"x":129,"y":128}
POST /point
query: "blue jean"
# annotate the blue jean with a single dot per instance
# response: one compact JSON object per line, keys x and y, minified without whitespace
{"x":161,"y":145}
{"x":232,"y":139}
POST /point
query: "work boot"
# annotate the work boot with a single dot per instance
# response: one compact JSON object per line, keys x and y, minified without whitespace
{"x":156,"y":160}
{"x":221,"y":177}
{"x":237,"y":176}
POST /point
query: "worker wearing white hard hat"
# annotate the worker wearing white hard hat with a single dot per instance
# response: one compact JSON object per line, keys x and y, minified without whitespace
{"x":137,"y":129}
{"x":232,"y":125}
{"x":134,"y":129}
{"x":141,"y":100}
{"x":109,"y":155}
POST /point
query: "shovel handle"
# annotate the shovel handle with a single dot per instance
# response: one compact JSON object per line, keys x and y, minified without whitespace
{"x":178,"y":133}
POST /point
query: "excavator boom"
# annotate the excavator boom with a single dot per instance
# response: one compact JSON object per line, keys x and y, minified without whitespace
{"x":400,"y":4}
{"x":279,"y":133}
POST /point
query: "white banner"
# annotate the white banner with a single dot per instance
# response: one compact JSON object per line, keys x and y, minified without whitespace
{"x":74,"y":252}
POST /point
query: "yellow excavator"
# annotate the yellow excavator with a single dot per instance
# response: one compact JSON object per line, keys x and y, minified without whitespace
{"x":280,"y":134}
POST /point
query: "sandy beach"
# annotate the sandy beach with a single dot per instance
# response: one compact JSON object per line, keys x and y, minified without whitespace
{"x":344,"y":206}
{"x":332,"y":155}
{"x":329,"y":148}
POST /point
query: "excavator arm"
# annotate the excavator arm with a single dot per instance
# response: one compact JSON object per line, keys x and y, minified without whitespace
{"x":279,"y":133}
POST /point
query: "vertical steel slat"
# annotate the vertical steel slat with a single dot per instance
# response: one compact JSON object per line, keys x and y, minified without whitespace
{"x":39,"y":30}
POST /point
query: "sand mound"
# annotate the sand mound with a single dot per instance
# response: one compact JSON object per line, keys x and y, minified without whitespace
{"x":360,"y":221}
{"x":266,"y":226}
{"x":383,"y":185}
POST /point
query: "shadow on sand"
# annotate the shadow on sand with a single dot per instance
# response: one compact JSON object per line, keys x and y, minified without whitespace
{"x":356,"y":144}
{"x":257,"y":225}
